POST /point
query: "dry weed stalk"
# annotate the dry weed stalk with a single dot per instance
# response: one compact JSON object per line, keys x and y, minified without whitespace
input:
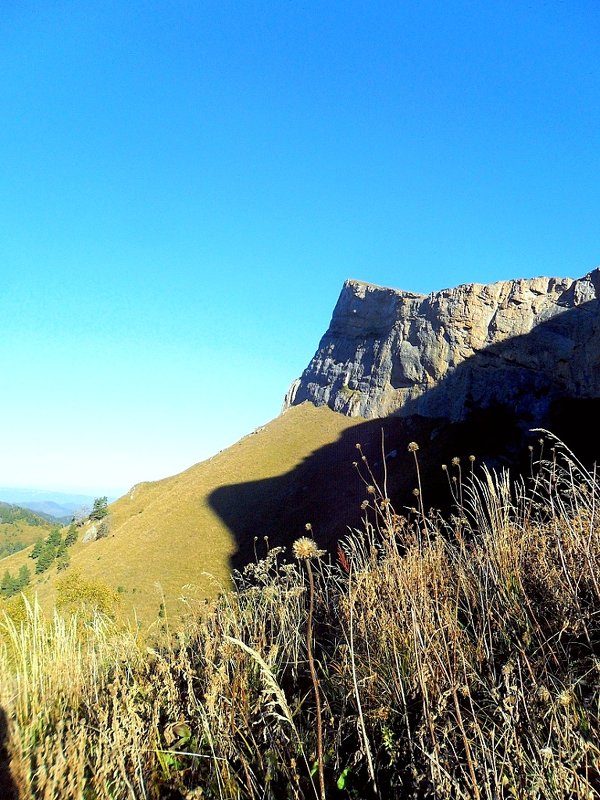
{"x":304,"y":550}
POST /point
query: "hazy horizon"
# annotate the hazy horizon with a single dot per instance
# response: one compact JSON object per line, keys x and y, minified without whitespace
{"x":33,"y":493}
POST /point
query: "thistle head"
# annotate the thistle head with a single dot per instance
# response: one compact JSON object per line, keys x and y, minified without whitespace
{"x":306,"y":548}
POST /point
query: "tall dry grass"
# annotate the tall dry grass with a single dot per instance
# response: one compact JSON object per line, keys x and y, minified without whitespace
{"x":455,"y":657}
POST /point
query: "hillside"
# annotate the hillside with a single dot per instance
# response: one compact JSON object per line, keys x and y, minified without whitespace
{"x":165,"y":535}
{"x":509,"y":353}
{"x":191,"y":529}
{"x":20,"y":527}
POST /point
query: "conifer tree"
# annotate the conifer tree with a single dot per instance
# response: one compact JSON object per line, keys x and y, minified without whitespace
{"x":9,"y":585}
{"x":54,"y":538}
{"x":24,"y":577}
{"x":37,"y":548}
{"x":5,"y":584}
{"x":100,"y":508}
{"x":71,"y":536}
{"x":45,"y":558}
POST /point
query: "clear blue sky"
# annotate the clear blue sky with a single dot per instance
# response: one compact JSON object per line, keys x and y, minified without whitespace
{"x":184,"y":186}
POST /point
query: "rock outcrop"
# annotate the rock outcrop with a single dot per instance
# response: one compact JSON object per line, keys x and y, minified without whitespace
{"x":521,"y":344}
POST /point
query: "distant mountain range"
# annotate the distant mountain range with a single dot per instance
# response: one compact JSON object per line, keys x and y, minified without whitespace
{"x":61,"y":512}
{"x":60,"y":506}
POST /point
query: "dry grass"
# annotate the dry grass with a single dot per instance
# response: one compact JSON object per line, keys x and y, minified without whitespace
{"x":455,"y":658}
{"x":165,"y":535}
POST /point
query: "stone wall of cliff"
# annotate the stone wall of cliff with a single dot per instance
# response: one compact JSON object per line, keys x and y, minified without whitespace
{"x":520,"y":343}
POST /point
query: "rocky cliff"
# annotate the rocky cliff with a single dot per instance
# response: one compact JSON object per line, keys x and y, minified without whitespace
{"x":521,"y":344}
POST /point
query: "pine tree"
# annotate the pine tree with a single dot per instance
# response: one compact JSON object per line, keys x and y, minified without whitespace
{"x":45,"y":558}
{"x":71,"y":536}
{"x":54,"y":537}
{"x":37,"y":548}
{"x":5,"y":583}
{"x":100,"y":508}
{"x":9,"y":585}
{"x":24,"y":577}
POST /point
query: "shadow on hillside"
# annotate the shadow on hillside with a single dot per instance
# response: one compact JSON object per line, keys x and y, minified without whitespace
{"x":525,"y":382}
{"x":8,"y":790}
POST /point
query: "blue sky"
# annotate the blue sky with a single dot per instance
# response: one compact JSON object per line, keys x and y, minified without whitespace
{"x":184,"y":187}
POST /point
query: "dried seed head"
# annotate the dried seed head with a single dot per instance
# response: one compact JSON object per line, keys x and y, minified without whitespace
{"x":565,"y":698}
{"x":308,"y":527}
{"x":364,"y":504}
{"x":445,"y":467}
{"x":455,"y":461}
{"x":543,"y":694}
{"x":413,"y":447}
{"x":416,"y":492}
{"x":306,"y":548}
{"x":471,"y":459}
{"x":370,"y":489}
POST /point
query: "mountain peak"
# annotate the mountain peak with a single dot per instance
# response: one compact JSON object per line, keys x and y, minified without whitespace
{"x":520,"y":342}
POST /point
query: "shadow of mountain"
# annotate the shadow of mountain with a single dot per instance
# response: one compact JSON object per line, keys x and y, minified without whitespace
{"x":548,"y":378}
{"x":8,"y":789}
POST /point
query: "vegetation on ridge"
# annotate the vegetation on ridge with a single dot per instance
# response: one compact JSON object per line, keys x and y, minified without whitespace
{"x":19,"y":527}
{"x":454,"y":658}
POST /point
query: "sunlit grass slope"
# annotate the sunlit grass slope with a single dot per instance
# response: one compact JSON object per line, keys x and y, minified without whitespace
{"x":164,"y":535}
{"x":20,"y":527}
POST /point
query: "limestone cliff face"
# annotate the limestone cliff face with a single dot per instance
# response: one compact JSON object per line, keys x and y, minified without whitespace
{"x":520,"y":343}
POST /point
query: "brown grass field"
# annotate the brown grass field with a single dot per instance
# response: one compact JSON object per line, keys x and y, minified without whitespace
{"x":445,"y":657}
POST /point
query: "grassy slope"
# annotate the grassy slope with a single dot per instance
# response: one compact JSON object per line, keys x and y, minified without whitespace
{"x":21,"y":525}
{"x":166,"y":532}
{"x":298,"y":468}
{"x":22,"y":532}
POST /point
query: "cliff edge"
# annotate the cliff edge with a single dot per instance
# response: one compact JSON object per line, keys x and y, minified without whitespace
{"x":519,"y":343}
